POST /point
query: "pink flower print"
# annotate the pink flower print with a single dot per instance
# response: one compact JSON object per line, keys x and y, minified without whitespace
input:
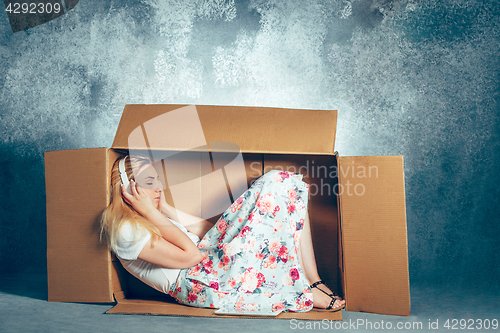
{"x":277,"y":178}
{"x":284,"y":175}
{"x":264,"y":203}
{"x":208,"y":265}
{"x":291,"y":208}
{"x":226,"y":260}
{"x":239,"y":306}
{"x":277,"y":208}
{"x":244,"y":231}
{"x":294,"y":274}
{"x":283,"y":251}
{"x":214,"y":285}
{"x":260,"y":256}
{"x":249,"y":280}
{"x":261,"y":278}
{"x":274,"y":245}
{"x":221,"y":226}
{"x":283,"y":254}
{"x":251,"y":307}
{"x":278,"y":306}
{"x":197,"y":287}
{"x":232,"y":283}
{"x":192,"y":297}
{"x":292,"y":195}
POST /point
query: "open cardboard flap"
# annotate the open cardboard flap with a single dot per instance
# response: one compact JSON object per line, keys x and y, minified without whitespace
{"x":78,"y":264}
{"x":373,"y":234}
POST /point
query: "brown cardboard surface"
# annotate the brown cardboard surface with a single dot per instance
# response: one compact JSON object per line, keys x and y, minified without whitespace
{"x":225,"y":176}
{"x":76,"y":187}
{"x":169,"y":308}
{"x":253,"y":129}
{"x":183,"y":183}
{"x":370,"y":264}
{"x":374,"y":239}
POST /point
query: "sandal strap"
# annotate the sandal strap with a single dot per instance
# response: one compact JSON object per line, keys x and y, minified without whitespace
{"x":315,"y":285}
{"x":332,"y":302}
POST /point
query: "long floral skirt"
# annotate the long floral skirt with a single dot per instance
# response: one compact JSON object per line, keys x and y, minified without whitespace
{"x":250,"y":257}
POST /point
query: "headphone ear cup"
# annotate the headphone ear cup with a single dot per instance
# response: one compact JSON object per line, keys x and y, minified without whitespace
{"x":123,"y":175}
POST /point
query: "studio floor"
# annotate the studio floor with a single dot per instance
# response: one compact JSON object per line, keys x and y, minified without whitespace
{"x":24,"y":308}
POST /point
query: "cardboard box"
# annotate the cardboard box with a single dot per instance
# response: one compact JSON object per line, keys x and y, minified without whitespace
{"x":359,"y":235}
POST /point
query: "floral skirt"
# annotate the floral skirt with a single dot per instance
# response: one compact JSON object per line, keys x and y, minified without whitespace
{"x":250,"y":257}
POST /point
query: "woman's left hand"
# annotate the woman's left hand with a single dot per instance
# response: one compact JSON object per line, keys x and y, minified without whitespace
{"x":139,"y":199}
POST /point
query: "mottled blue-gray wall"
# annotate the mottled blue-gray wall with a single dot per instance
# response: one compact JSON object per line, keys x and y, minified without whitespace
{"x":417,"y":78}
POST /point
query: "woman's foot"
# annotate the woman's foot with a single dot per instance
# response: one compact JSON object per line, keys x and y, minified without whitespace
{"x":324,"y":298}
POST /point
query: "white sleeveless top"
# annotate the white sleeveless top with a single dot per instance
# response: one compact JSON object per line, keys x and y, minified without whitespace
{"x":128,"y":248}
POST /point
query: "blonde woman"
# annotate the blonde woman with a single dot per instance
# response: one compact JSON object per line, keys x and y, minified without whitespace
{"x":259,"y":254}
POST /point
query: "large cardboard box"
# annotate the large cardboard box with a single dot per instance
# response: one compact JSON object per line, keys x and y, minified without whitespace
{"x":357,"y":204}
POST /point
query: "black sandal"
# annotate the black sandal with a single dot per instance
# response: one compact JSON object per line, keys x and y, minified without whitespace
{"x":333,"y":296}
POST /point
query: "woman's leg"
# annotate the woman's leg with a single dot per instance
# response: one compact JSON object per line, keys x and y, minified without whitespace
{"x":308,"y":264}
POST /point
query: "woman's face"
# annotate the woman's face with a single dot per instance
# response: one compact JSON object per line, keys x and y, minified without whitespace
{"x":148,"y":179}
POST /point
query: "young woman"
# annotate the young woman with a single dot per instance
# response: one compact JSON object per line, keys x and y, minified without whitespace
{"x":259,"y":254}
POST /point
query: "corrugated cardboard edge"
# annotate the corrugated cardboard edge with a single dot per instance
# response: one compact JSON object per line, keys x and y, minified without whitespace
{"x":156,"y":307}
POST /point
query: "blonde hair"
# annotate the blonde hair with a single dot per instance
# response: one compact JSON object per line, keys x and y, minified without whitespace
{"x":119,"y":211}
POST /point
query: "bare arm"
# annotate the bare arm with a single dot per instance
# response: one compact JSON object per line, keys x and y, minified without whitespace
{"x":174,"y":249}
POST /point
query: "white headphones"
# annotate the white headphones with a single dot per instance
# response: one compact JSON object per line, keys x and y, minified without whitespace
{"x":123,"y":175}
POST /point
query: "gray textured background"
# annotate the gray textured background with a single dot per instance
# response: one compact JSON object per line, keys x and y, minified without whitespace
{"x":409,"y":77}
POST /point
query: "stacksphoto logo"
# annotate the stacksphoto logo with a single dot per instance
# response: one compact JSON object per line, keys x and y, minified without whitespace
{"x":26,"y":14}
{"x":192,"y":169}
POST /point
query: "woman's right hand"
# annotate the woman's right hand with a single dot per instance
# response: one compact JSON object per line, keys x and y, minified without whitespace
{"x":139,"y":199}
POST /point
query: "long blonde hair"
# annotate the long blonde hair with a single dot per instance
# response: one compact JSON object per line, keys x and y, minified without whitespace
{"x":119,"y":211}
